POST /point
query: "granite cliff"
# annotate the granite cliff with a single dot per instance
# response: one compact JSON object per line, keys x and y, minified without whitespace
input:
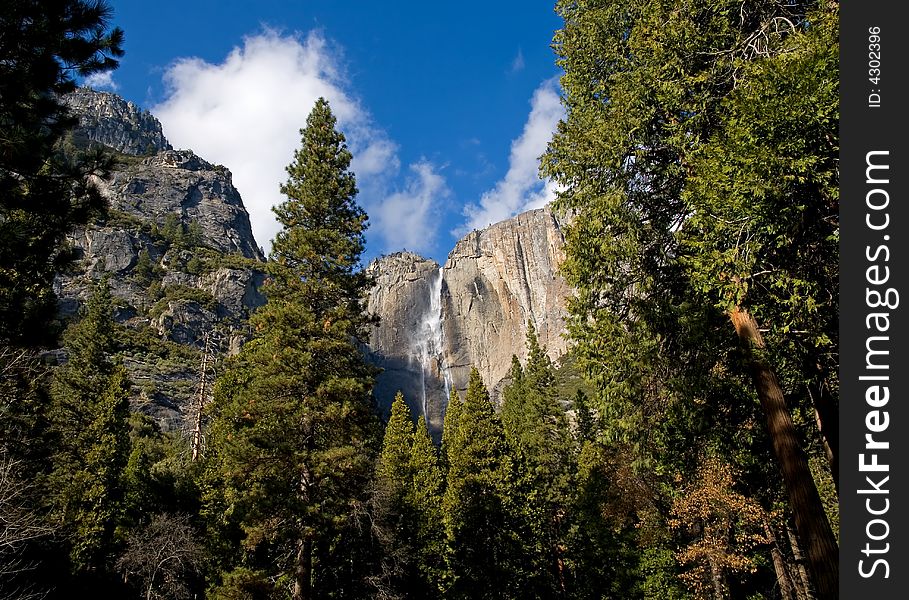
{"x":109,"y":120}
{"x":438,"y":322}
{"x":176,"y":247}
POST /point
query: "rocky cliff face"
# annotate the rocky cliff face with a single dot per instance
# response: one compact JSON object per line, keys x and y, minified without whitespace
{"x":439,"y":322}
{"x":177,"y":247}
{"x":407,"y":344}
{"x":496,"y":281}
{"x":109,"y":120}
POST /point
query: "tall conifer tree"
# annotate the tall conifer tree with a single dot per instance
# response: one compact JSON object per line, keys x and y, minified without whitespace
{"x":393,"y":511}
{"x":481,"y":534}
{"x":426,"y":499}
{"x":43,"y":194}
{"x":536,"y":428}
{"x":295,"y":432}
{"x":450,"y":425}
{"x":90,"y":417}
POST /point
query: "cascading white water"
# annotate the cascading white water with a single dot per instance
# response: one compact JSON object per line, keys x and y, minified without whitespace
{"x":428,"y":341}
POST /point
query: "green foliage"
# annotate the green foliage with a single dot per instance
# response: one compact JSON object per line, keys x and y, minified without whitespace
{"x":173,"y":232}
{"x":483,"y":549}
{"x":406,"y":507}
{"x":180,"y":292}
{"x":205,"y":260}
{"x":764,"y":199}
{"x":144,"y":271}
{"x":393,"y":466}
{"x":450,"y":426}
{"x":23,"y":408}
{"x":123,"y":220}
{"x":90,"y":417}
{"x":536,"y":428}
{"x":43,"y":46}
{"x":407,"y":499}
{"x":145,"y":339}
{"x":696,"y":188}
{"x":426,"y":500}
{"x":294,"y":434}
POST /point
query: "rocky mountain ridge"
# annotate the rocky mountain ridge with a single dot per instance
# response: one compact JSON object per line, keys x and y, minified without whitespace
{"x":109,"y":120}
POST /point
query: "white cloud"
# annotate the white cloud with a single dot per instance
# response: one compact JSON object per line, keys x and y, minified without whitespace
{"x":405,"y":217}
{"x":102,"y":81}
{"x":521,"y":189}
{"x":246,"y":113}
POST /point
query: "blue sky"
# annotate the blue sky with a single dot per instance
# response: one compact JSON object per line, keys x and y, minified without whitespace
{"x":446,"y":106}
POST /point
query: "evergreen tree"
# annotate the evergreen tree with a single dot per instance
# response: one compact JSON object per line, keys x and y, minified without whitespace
{"x":407,"y":513}
{"x":426,"y":499}
{"x":90,"y":417}
{"x":294,"y":433}
{"x":483,"y":550}
{"x":585,"y":421}
{"x":614,"y":549}
{"x":777,"y":141}
{"x":43,"y":46}
{"x":662,"y":156}
{"x":394,"y":514}
{"x":450,"y":425}
{"x":536,"y":428}
{"x":393,"y":465}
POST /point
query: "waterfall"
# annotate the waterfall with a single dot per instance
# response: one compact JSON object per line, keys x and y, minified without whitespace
{"x":428,"y":342}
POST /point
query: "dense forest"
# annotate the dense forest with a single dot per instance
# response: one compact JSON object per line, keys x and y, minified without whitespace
{"x":697,"y":168}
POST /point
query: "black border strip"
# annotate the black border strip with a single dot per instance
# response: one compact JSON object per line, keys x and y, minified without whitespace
{"x":874,"y":263}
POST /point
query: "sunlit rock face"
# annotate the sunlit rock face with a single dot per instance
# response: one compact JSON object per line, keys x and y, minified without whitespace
{"x":407,"y":342}
{"x":108,"y":119}
{"x":436,"y":323}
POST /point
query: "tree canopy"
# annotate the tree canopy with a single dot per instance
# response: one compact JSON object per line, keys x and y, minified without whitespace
{"x":44,"y":47}
{"x":700,"y":200}
{"x":295,"y":432}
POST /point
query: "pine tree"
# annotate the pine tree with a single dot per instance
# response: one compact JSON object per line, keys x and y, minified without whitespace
{"x":295,"y":434}
{"x":393,"y":465}
{"x":43,"y":194}
{"x":536,"y":428}
{"x":426,"y":500}
{"x":407,"y":512}
{"x":90,"y":417}
{"x":394,"y":515}
{"x":585,"y":426}
{"x":480,"y":528}
{"x":450,"y":425}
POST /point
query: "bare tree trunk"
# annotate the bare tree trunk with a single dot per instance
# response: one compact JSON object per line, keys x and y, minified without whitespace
{"x":804,"y":588}
{"x":717,"y":579}
{"x":303,"y":571}
{"x":196,"y":444}
{"x":787,"y":591}
{"x":810,"y":519}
